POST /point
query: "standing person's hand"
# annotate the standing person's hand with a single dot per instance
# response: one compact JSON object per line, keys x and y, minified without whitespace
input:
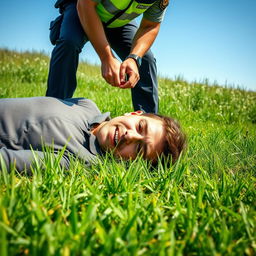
{"x":110,"y":71}
{"x":130,"y":70}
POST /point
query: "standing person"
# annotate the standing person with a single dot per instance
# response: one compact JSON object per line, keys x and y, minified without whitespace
{"x":108,"y":25}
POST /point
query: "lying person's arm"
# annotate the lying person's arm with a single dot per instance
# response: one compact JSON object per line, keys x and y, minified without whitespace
{"x":23,"y":159}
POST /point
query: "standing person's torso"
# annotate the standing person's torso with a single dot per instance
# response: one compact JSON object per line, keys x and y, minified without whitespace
{"x":107,"y":9}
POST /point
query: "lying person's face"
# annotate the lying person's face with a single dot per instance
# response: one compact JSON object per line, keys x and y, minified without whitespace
{"x":130,"y":135}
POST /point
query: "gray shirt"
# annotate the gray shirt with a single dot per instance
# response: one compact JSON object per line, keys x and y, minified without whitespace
{"x":27,"y":123}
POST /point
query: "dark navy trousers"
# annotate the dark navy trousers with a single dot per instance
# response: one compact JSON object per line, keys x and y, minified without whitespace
{"x":65,"y":56}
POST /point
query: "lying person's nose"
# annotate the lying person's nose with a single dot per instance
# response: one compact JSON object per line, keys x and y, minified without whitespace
{"x":132,"y":136}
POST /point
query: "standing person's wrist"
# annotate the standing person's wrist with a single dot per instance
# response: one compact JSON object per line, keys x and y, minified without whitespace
{"x":136,"y":58}
{"x":106,"y":54}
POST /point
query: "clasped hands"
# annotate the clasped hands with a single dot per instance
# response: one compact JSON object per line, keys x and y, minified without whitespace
{"x":123,"y":75}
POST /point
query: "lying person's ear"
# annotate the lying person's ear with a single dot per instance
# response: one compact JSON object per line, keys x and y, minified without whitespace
{"x":135,"y":113}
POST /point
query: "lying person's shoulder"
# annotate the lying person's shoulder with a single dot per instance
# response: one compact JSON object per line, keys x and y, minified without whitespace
{"x":82,"y":102}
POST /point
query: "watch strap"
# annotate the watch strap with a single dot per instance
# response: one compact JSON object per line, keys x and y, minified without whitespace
{"x":136,"y":58}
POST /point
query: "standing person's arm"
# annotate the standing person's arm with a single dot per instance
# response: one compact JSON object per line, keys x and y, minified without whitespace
{"x":142,"y":41}
{"x":93,"y":28}
{"x":145,"y":36}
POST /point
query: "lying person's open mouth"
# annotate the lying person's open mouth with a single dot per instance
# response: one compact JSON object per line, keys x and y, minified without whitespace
{"x":116,"y":136}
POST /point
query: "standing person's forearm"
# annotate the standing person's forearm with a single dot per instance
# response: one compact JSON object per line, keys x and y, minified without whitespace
{"x":142,"y":42}
{"x":93,"y":28}
{"x":145,"y":37}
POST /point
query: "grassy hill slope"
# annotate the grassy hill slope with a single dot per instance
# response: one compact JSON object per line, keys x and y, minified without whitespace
{"x":205,"y":204}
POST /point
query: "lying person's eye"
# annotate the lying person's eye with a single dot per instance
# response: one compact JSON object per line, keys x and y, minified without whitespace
{"x":139,"y":148}
{"x":140,"y":127}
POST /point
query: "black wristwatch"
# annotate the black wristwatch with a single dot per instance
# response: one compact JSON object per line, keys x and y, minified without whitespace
{"x":136,"y":58}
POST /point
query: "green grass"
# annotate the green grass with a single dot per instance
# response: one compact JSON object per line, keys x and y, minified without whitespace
{"x":203,"y":205}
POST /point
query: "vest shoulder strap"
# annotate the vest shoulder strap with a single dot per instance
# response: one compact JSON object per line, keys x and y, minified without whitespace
{"x":118,"y":14}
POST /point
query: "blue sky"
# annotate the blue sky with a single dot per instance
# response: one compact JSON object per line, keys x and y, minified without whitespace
{"x":213,"y":39}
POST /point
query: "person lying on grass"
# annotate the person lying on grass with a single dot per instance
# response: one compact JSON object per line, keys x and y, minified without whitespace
{"x":29,"y":124}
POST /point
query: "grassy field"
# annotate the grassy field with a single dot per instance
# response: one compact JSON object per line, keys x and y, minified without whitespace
{"x":203,"y":205}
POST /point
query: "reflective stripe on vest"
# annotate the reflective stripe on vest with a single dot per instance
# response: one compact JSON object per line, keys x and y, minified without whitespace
{"x":108,"y":9}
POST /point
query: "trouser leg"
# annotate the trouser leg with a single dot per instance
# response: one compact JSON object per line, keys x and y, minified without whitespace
{"x":145,"y":93}
{"x":65,"y":55}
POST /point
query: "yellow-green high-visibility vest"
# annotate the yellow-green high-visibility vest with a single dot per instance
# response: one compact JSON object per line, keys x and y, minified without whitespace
{"x":107,"y":9}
